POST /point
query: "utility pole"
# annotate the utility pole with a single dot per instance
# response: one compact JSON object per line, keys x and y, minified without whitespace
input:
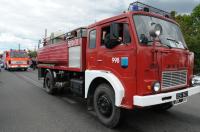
{"x":45,"y":34}
{"x":39,"y":42}
{"x":19,"y":46}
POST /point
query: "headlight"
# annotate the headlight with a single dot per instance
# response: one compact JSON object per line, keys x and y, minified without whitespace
{"x":195,"y":81}
{"x":156,"y":86}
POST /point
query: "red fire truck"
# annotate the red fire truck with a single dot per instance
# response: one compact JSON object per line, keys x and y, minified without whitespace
{"x":134,"y":60}
{"x":16,"y":59}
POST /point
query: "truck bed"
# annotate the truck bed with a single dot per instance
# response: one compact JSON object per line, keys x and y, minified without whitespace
{"x":68,"y":55}
{"x":56,"y":54}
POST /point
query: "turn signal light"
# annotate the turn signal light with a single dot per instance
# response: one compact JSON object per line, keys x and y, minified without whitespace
{"x":149,"y":87}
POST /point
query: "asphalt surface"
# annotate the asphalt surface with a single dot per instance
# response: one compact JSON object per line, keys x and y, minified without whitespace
{"x":25,"y":107}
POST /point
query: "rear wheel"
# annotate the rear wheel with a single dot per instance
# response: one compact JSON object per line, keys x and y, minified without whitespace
{"x":49,"y":84}
{"x":104,"y":105}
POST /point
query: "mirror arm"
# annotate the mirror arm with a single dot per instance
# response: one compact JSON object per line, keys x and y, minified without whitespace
{"x":124,"y":43}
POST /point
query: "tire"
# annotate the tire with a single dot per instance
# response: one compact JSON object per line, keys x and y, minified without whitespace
{"x":104,"y":106}
{"x":163,"y":107}
{"x":49,"y":84}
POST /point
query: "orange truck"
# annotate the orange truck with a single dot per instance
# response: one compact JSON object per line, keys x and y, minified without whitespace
{"x":16,"y":59}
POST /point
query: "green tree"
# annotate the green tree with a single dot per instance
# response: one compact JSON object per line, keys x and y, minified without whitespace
{"x":195,"y":36}
{"x":32,"y":54}
{"x":196,"y":20}
{"x":190,"y":26}
{"x":173,"y":14}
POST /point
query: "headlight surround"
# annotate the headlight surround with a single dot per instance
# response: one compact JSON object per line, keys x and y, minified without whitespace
{"x":156,"y":87}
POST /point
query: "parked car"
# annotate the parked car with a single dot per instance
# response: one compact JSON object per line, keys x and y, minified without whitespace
{"x":196,"y":80}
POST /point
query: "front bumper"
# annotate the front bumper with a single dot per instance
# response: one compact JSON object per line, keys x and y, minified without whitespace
{"x":150,"y":100}
{"x":18,"y":66}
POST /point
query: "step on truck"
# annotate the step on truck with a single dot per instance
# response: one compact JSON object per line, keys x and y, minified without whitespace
{"x":134,"y":60}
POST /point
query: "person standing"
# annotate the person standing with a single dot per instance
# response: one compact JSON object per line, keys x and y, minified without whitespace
{"x":33,"y":63}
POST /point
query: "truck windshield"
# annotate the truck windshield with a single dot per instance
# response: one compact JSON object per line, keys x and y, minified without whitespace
{"x":170,"y":37}
{"x":18,"y":55}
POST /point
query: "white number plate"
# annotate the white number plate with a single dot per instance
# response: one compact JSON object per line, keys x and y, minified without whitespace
{"x":180,"y":101}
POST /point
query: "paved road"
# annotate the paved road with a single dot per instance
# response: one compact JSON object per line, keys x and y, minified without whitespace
{"x":25,"y":107}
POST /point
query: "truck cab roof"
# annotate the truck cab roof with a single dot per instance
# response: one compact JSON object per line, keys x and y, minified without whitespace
{"x":138,"y":8}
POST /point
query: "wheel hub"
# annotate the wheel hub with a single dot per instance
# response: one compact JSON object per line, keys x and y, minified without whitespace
{"x":104,"y":105}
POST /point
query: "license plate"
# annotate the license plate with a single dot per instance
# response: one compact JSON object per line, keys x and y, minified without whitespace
{"x":180,"y":101}
{"x":181,"y":98}
{"x":19,"y":62}
{"x":182,"y":95}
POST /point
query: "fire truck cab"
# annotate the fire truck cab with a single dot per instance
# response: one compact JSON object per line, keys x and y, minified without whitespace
{"x":134,"y":60}
{"x":16,"y":59}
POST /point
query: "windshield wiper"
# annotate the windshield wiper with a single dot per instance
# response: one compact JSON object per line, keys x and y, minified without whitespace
{"x":164,"y":44}
{"x":177,"y":42}
{"x":167,"y":45}
{"x":173,"y":40}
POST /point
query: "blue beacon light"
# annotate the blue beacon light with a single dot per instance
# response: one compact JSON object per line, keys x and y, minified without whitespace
{"x":134,"y":8}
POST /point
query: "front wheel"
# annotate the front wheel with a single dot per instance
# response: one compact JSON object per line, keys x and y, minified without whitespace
{"x":104,"y":105}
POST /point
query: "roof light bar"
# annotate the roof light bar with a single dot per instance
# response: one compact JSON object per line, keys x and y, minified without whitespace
{"x":138,"y":6}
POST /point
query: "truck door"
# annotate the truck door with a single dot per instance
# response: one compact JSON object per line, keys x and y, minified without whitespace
{"x":119,"y":59}
{"x":92,"y":49}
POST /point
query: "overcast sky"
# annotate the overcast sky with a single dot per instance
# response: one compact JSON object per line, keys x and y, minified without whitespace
{"x":24,"y":21}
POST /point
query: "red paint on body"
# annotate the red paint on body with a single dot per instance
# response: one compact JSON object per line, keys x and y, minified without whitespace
{"x":145,"y":63}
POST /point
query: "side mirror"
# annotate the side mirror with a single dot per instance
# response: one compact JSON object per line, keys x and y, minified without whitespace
{"x":156,"y":30}
{"x":114,"y":31}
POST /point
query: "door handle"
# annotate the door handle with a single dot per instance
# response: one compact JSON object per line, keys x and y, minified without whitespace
{"x":99,"y":60}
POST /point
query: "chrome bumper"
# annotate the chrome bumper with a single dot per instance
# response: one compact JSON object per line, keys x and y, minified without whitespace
{"x":150,"y":100}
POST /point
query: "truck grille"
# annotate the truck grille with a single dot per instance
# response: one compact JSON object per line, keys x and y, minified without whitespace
{"x":18,"y":62}
{"x":172,"y":79}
